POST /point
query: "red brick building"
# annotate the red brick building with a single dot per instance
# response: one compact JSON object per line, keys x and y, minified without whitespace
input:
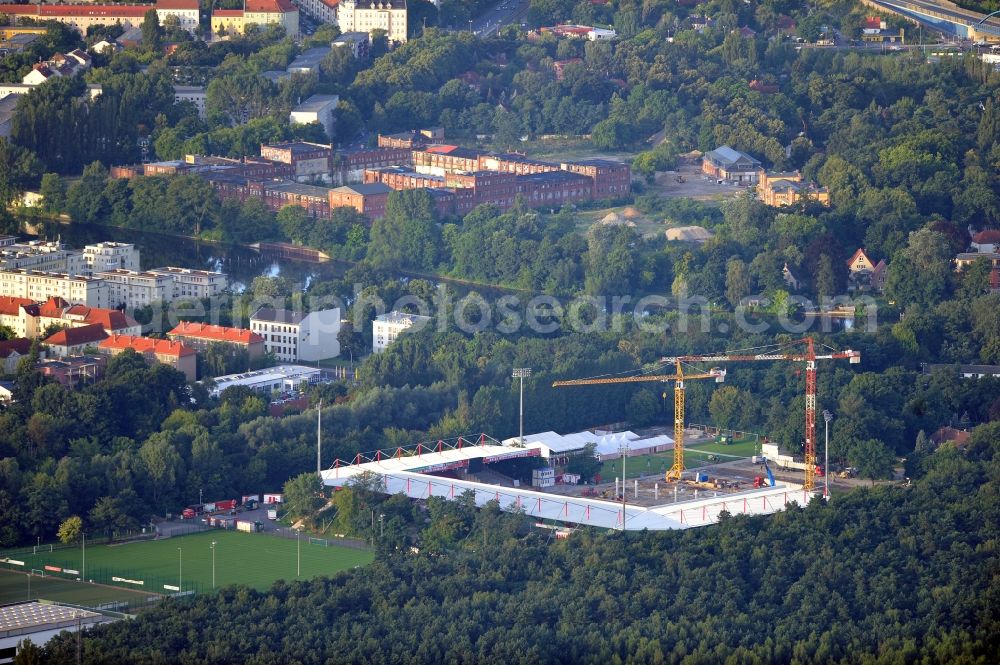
{"x":174,"y":354}
{"x":611,"y":180}
{"x":368,"y":199}
{"x":198,"y":336}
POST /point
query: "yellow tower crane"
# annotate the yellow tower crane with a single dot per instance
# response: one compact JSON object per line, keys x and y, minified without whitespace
{"x":717,"y":373}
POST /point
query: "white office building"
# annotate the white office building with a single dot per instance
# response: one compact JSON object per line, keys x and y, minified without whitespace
{"x":318,"y":108}
{"x":40,"y":286}
{"x":41,"y":255}
{"x":111,"y":256}
{"x":387,"y":327}
{"x":298,"y":336}
{"x":137,"y":289}
{"x":190,"y":283}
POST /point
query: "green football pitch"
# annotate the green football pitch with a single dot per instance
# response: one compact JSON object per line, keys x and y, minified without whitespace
{"x":15,"y":587}
{"x":255,"y":560}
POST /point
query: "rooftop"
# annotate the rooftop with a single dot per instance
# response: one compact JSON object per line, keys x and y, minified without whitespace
{"x":297,"y":147}
{"x":271,"y":6}
{"x":109,"y":319}
{"x":160,"y":347}
{"x":401,"y":317}
{"x":11,"y":306}
{"x":300,"y":189}
{"x":89,"y":334}
{"x":33,"y":617}
{"x":316,"y":103}
{"x":20,"y":345}
{"x":215,"y":333}
{"x":270,"y":375}
{"x":272,"y":315}
{"x":728,"y":155}
{"x":365,"y":189}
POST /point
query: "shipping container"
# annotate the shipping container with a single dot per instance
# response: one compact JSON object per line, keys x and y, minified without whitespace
{"x":273,"y":498}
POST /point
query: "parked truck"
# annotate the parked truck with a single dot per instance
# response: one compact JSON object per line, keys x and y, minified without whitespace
{"x":192,"y":511}
{"x":272,"y":513}
{"x":228,"y":504}
{"x":249,"y":526}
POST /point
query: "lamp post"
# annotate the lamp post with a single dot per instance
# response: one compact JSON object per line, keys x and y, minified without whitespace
{"x":827,"y":417}
{"x":521,"y":373}
{"x":470,"y":25}
{"x":298,"y":553}
{"x":83,"y":566}
{"x":213,"y":564}
{"x":180,"y":569}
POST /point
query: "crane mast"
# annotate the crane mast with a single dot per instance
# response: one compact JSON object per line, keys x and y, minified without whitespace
{"x":675,"y":471}
{"x":809,"y":358}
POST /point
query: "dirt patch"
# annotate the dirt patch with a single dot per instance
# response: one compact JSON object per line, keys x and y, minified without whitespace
{"x":689,"y":182}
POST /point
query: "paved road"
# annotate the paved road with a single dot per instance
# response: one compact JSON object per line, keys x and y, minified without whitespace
{"x":502,"y":14}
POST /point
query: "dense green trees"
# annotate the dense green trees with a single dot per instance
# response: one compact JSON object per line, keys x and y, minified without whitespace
{"x":889,"y":568}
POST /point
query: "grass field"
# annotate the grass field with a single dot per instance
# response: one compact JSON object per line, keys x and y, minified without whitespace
{"x":694,"y":456}
{"x":256,"y":560}
{"x":15,"y":587}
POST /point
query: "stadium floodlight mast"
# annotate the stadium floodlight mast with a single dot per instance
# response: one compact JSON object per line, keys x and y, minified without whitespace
{"x":180,"y":569}
{"x":213,"y":563}
{"x":521,"y":373}
{"x":624,"y":451}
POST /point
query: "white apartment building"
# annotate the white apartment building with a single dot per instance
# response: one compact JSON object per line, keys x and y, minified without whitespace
{"x":41,"y":255}
{"x":111,"y":256}
{"x":367,"y":16}
{"x":298,"y":336}
{"x":136,"y":289}
{"x":191,"y":93}
{"x":40,"y":286}
{"x":318,"y":108}
{"x":189,"y":283}
{"x":324,"y":11}
{"x":387,"y":327}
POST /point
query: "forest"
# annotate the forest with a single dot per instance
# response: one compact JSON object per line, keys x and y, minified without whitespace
{"x":883,"y":575}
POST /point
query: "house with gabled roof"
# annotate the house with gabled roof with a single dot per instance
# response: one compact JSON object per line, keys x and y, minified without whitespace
{"x":199,"y":336}
{"x":74,"y":341}
{"x":175,"y":354}
{"x":730,"y":165}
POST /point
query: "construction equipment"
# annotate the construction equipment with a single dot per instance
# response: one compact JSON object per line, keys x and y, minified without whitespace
{"x":758,"y":482}
{"x":779,"y":352}
{"x":674,"y":473}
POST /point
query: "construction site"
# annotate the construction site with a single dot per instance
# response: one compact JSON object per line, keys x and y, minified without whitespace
{"x":650,"y":480}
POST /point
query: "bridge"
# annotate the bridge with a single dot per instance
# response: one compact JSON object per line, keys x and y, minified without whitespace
{"x":411,"y":471}
{"x":944,"y":17}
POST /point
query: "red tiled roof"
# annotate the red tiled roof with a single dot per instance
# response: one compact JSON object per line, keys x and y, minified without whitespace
{"x":442,"y":149}
{"x":77,"y":336}
{"x":21,"y":345}
{"x":215,"y":333}
{"x":271,"y":6}
{"x":160,"y":347}
{"x":987,"y":236}
{"x":995,"y":278}
{"x":227,"y":12}
{"x":110,"y":319}
{"x":850,"y":262}
{"x":177,"y":4}
{"x":873,"y":22}
{"x":11,"y":306}
{"x":53,"y":308}
{"x":111,"y":11}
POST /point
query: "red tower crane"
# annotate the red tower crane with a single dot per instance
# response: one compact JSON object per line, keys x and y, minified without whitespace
{"x":780,"y":352}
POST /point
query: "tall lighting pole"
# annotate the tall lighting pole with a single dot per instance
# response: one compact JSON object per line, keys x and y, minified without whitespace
{"x":827,"y":417}
{"x":213,"y":564}
{"x":319,"y":440}
{"x":522,"y":373}
{"x":180,"y":569}
{"x":624,"y":450}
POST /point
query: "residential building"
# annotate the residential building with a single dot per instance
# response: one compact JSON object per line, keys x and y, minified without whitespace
{"x":41,"y":255}
{"x":199,"y":336}
{"x":113,"y":321}
{"x":74,"y":371}
{"x":39,"y":286}
{"x":968,"y":258}
{"x":257,"y":12}
{"x":315,"y":200}
{"x":860,"y":262}
{"x":191,"y":283}
{"x":192,"y":93}
{"x":318,"y":108}
{"x":358,"y":42}
{"x":308,"y":160}
{"x":8,"y":105}
{"x":132,"y":289}
{"x":987,"y":241}
{"x":387,"y":327}
{"x":278,"y":379}
{"x":298,"y":336}
{"x":610,"y":179}
{"x":783,"y":189}
{"x":368,"y":16}
{"x":83,"y":16}
{"x":11,"y":352}
{"x":174,"y":354}
{"x":966,"y":371}
{"x":729,"y":165}
{"x":308,"y":61}
{"x":414,"y":138}
{"x":324,"y":11}
{"x":878,"y":276}
{"x":111,"y":256}
{"x":368,"y":199}
{"x":74,"y":341}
